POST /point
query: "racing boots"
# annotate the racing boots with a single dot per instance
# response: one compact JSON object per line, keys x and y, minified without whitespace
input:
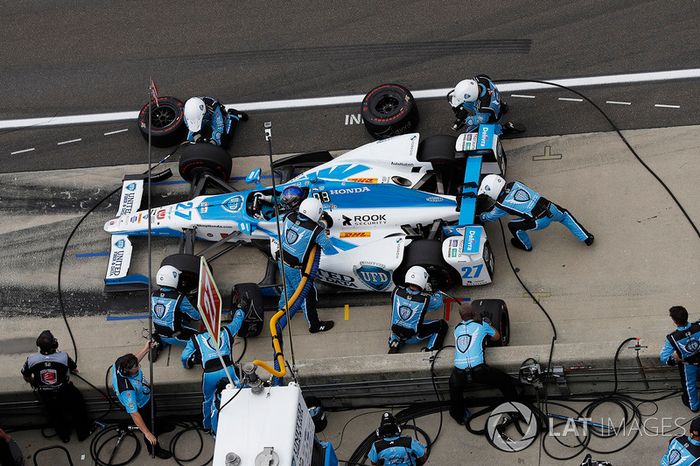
{"x":589,"y":240}
{"x":394,"y":347}
{"x":323,"y":326}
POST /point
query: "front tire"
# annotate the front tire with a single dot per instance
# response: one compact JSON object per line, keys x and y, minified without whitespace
{"x":199,"y":159}
{"x":389,"y":110}
{"x":188,"y":265}
{"x":427,"y":253}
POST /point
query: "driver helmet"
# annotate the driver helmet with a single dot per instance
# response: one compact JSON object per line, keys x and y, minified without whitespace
{"x":168,"y":276}
{"x":418,"y":276}
{"x":311,"y":208}
{"x":195,"y":109}
{"x":292,"y":197}
{"x":491,"y":186}
{"x":465,"y":91}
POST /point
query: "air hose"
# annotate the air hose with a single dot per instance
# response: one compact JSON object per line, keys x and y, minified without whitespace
{"x":280,"y":370}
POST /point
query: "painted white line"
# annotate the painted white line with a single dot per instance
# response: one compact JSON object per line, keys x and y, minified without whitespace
{"x":22,"y":151}
{"x":570,"y":99}
{"x":357,"y":98}
{"x":522,"y":96}
{"x":117,"y":131}
{"x":666,"y":106}
{"x":71,"y":141}
{"x":617,"y":102}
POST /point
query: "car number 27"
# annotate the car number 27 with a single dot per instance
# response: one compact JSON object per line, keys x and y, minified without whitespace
{"x":472,"y":272}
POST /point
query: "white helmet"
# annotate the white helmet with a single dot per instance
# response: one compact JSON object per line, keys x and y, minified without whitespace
{"x":194,"y":113}
{"x":312,"y":208}
{"x":418,"y":276}
{"x":491,"y":185}
{"x":168,"y":276}
{"x":465,"y":91}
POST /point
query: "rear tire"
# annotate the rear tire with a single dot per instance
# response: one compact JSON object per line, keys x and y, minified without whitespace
{"x":199,"y":159}
{"x":167,"y":122}
{"x":497,"y":312}
{"x":389,"y":110}
{"x":188,"y":265}
{"x":427,"y":253}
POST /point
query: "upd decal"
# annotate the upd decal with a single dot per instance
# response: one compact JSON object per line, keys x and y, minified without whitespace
{"x":373,"y":276}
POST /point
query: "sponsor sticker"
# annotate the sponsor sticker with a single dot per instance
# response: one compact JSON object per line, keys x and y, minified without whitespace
{"x":472,"y":240}
{"x":233,"y":204}
{"x":355,"y":234}
{"x":374,"y":275}
{"x":364,"y":180}
{"x":435,"y":199}
{"x":335,"y":278}
{"x":363,"y":189}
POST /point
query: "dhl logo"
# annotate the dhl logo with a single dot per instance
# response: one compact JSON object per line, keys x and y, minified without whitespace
{"x":364,"y":180}
{"x":355,"y":234}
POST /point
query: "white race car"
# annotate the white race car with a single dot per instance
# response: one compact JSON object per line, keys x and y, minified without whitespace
{"x":389,"y":205}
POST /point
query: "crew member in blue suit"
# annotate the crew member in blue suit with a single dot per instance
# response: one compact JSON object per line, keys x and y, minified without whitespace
{"x":470,"y":366}
{"x":392,"y":448}
{"x":300,"y":232}
{"x":477,"y":101}
{"x":409,"y":305}
{"x":682,"y":348}
{"x":684,"y":450}
{"x":175,"y":320}
{"x":535,"y":212}
{"x":208,"y":120}
{"x":200,"y":350}
{"x":216,"y":404}
{"x":134,"y":393}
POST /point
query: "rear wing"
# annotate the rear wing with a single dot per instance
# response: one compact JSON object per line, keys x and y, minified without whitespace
{"x":117,"y":278}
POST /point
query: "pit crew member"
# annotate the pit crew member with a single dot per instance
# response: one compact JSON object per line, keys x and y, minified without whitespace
{"x":535,"y":211}
{"x":200,"y":350}
{"x":48,"y":372}
{"x":469,"y":364}
{"x":684,"y":450}
{"x":410,"y":304}
{"x":392,"y":448}
{"x":476,"y":101}
{"x":134,"y":393}
{"x":682,"y":349}
{"x":300,"y":232}
{"x":208,"y":121}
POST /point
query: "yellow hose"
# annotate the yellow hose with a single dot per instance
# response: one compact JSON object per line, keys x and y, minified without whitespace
{"x":278,"y":315}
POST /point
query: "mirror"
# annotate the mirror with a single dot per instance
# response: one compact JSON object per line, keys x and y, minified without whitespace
{"x":254,"y":177}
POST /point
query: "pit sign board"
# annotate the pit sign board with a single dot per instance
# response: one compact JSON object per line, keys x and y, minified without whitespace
{"x":209,"y":301}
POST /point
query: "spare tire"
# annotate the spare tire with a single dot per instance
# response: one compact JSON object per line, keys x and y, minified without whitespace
{"x":497,"y":312}
{"x":427,"y":253}
{"x":389,"y":110}
{"x":167,"y":122}
{"x":188,"y":265}
{"x":198,"y":159}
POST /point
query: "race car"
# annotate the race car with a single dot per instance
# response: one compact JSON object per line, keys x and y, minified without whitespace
{"x":390,"y":204}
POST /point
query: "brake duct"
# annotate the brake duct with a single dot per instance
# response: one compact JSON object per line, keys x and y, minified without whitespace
{"x":279,"y":320}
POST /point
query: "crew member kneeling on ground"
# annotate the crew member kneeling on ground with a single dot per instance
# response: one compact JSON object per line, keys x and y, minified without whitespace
{"x":470,"y":366}
{"x":174,"y":316}
{"x":392,"y":448}
{"x":535,"y":212}
{"x":48,"y":372}
{"x":300,"y":232}
{"x":134,"y":393}
{"x":682,"y":348}
{"x":410,"y":304}
{"x":684,"y":450}
{"x":209,"y":121}
{"x":200,"y":350}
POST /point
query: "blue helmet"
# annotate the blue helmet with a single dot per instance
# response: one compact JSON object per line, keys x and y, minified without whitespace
{"x":292,"y":197}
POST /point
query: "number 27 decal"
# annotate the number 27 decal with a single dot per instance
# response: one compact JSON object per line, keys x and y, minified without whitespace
{"x":472,"y":272}
{"x":182,"y":210}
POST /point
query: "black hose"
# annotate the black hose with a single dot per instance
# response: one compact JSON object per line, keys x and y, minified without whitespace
{"x":176,"y":438}
{"x":99,"y":442}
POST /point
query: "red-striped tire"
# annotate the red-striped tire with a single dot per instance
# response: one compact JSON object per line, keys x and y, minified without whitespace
{"x":167,"y":122}
{"x":389,"y":110}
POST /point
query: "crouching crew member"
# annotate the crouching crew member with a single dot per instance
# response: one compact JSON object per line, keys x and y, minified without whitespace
{"x":209,"y":121}
{"x":134,"y":393}
{"x":410,"y":304}
{"x":175,"y":320}
{"x":535,"y":212}
{"x":392,"y":448}
{"x":300,"y":232}
{"x":682,"y":348}
{"x":470,"y":366}
{"x":48,"y":372}
{"x":200,"y":350}
{"x":684,"y":450}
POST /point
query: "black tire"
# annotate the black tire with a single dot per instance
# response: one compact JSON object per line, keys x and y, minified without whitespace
{"x":167,"y":122}
{"x":439,"y":150}
{"x":188,"y":265}
{"x":318,"y":414}
{"x":198,"y":159}
{"x":497,"y":312}
{"x":489,"y":259}
{"x":428,"y":254}
{"x":389,"y":110}
{"x":254,"y":312}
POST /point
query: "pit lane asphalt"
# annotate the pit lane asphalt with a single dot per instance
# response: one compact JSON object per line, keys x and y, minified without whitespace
{"x":98,"y":56}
